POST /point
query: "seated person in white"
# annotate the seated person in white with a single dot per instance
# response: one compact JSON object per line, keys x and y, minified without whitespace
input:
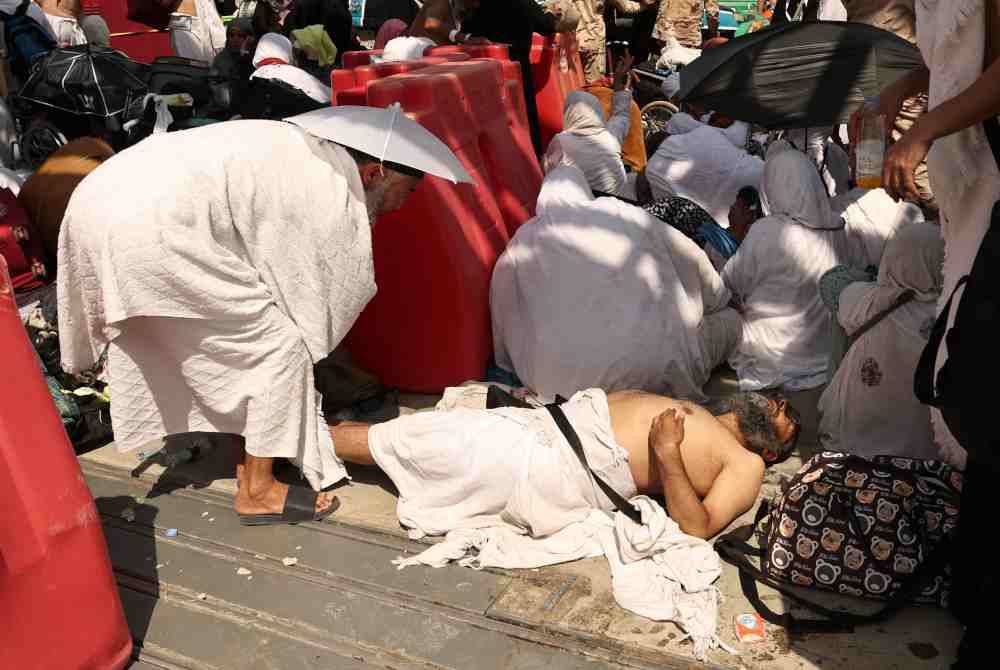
{"x":196,"y":30}
{"x":598,"y":293}
{"x":774,"y":276}
{"x":869,"y":408}
{"x":590,"y":144}
{"x":870,"y":220}
{"x":705,"y":164}
{"x":274,"y":59}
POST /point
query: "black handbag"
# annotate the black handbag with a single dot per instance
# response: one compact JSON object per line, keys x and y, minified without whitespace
{"x":971,"y":341}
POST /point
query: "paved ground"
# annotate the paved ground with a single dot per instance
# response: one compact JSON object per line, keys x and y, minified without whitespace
{"x":192,"y":604}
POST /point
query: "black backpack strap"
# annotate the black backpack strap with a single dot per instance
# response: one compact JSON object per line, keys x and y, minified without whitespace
{"x":624,"y":506}
{"x":905,"y":297}
{"x":923,"y":377}
{"x":22,"y":9}
{"x":734,"y":550}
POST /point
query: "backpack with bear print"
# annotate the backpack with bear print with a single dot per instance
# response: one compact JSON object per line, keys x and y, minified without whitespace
{"x":866,"y":528}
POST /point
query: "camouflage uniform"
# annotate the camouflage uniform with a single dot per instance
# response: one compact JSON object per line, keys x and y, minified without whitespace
{"x":590,"y":34}
{"x":898,"y":17}
{"x":682,"y":19}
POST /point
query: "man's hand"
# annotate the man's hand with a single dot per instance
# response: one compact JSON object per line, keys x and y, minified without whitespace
{"x":901,"y":163}
{"x":624,"y":76}
{"x":667,"y":433}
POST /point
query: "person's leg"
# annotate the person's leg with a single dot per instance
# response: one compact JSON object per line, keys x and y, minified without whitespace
{"x":720,"y":334}
{"x":593,"y":65}
{"x":350,"y":441}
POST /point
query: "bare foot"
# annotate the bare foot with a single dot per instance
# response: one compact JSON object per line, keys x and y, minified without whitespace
{"x":270,"y":498}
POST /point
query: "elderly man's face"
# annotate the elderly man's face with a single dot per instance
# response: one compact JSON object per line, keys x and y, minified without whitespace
{"x":385,"y":190}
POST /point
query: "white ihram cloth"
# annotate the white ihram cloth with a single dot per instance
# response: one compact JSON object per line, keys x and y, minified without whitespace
{"x":869,"y":408}
{"x":775,"y":275}
{"x":870,"y":218}
{"x":67,"y":31}
{"x":590,"y":144}
{"x":705,"y":165}
{"x":404,"y":48}
{"x":508,"y":491}
{"x":256,"y":233}
{"x":598,"y":293}
{"x":199,"y":37}
{"x":951,"y":35}
{"x":833,"y":163}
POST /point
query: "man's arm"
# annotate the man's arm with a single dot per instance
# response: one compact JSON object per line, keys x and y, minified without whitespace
{"x":733,"y":492}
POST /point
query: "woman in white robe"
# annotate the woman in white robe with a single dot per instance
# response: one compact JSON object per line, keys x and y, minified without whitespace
{"x":870,"y":219}
{"x":869,"y":408}
{"x":590,"y":144}
{"x":704,"y":164}
{"x":774,"y":276}
{"x":598,"y":293}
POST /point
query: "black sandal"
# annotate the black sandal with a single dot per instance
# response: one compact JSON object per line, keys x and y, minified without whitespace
{"x":300,"y":505}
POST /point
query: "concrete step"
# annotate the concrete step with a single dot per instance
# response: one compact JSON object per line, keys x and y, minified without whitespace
{"x":192,"y":604}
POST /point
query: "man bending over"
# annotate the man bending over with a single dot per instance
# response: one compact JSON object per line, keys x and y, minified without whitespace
{"x":465,"y":467}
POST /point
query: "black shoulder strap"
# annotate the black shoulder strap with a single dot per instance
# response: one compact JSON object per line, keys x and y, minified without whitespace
{"x":903,"y":298}
{"x":923,"y":376}
{"x":734,"y":550}
{"x":992,"y":128}
{"x":22,"y":9}
{"x":624,"y":506}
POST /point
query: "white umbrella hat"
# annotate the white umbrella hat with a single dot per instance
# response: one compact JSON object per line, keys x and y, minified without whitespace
{"x":388,"y":135}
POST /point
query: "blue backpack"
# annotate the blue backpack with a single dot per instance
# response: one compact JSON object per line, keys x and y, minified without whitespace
{"x":26,"y":40}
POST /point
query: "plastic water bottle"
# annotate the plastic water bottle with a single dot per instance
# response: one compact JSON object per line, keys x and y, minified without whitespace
{"x":871,"y":147}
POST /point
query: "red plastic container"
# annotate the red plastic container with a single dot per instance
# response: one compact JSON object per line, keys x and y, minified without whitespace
{"x":428,"y":326}
{"x":556,"y":71}
{"x":59,"y":605}
{"x":350,"y":85}
{"x":140,"y":41}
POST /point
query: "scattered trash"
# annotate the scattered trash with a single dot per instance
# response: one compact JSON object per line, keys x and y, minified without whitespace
{"x":202,"y":596}
{"x":259,"y":557}
{"x":298,"y":548}
{"x":211,"y":519}
{"x":749,"y":628}
{"x":204,"y":514}
{"x":289,"y":561}
{"x":128,"y":514}
{"x":160,"y":565}
{"x":170,"y":532}
{"x":249,"y":578}
{"x":461,"y":586}
{"x":242,"y":571}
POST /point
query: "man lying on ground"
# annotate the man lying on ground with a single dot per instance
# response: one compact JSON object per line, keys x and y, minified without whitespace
{"x":464,"y":467}
{"x":598,"y":293}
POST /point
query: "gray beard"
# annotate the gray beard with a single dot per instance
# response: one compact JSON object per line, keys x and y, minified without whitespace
{"x":373,"y":202}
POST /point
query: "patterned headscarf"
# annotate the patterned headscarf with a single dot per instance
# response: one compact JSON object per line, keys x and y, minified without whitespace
{"x":683,"y":214}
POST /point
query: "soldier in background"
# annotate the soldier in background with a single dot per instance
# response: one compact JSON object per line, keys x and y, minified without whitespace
{"x":681,"y":19}
{"x":590,"y":32}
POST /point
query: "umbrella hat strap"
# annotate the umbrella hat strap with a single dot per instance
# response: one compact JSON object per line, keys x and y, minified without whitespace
{"x":388,"y":136}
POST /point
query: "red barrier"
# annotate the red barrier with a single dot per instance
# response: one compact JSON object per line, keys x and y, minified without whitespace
{"x":429,"y":325}
{"x":141,"y":41}
{"x":556,"y":71}
{"x":60,"y":605}
{"x":350,"y":85}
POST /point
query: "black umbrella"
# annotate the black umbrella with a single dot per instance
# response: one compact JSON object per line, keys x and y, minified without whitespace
{"x":86,"y":79}
{"x":796,"y":75}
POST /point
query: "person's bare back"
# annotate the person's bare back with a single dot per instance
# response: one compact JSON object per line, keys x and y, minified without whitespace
{"x":698,"y":462}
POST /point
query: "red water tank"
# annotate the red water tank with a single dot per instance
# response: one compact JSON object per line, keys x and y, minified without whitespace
{"x":428,"y":326}
{"x":556,"y":71}
{"x":59,"y":605}
{"x":349,"y":86}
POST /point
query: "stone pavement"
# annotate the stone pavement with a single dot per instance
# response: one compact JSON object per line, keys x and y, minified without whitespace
{"x":218,"y":595}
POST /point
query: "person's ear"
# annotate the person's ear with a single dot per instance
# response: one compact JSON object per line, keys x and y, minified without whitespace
{"x":370,"y":173}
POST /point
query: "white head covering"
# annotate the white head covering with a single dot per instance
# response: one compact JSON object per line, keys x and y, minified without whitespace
{"x":273,"y":45}
{"x":404,"y":48}
{"x":791,"y":187}
{"x":564,"y":186}
{"x":682,"y":123}
{"x":583,"y":114}
{"x":870,"y":218}
{"x":913,"y":261}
